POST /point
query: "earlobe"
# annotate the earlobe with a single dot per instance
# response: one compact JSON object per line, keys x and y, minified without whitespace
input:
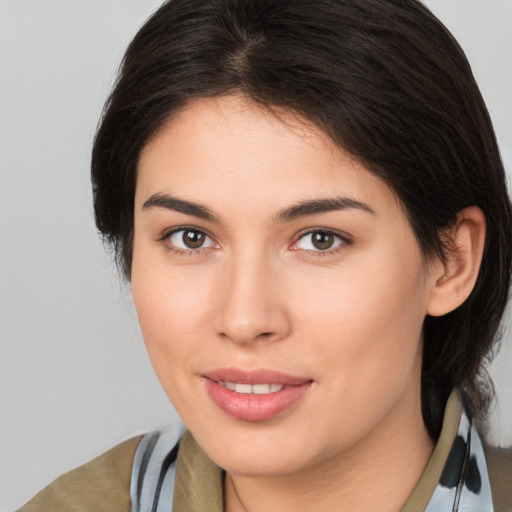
{"x":453,"y":281}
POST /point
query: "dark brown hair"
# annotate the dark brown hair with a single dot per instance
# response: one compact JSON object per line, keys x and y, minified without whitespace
{"x":386,"y":81}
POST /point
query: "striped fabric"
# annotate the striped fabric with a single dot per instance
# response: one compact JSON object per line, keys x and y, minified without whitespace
{"x":153,"y":473}
{"x":463,"y":486}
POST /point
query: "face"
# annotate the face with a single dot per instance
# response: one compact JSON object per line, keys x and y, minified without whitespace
{"x":279,"y":287}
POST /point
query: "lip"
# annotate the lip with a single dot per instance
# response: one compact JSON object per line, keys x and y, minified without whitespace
{"x":252,"y":407}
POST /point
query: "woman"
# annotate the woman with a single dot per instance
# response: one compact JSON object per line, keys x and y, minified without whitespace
{"x":309,"y":203}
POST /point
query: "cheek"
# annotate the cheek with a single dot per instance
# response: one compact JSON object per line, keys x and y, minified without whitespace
{"x":168,"y":300}
{"x":366,"y":297}
{"x":365,"y":324}
{"x":169,"y":317}
{"x":172,"y":307}
{"x":364,"y":334}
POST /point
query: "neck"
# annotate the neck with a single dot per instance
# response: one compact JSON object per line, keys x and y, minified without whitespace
{"x":379,"y":473}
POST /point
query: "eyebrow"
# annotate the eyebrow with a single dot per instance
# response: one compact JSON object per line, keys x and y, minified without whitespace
{"x":318,"y":206}
{"x":296,"y":211}
{"x":180,"y":205}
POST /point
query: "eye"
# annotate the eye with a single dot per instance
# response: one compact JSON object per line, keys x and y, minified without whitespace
{"x":189,"y":239}
{"x":319,"y":240}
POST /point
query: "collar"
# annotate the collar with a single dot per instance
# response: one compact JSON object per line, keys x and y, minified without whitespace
{"x":199,"y":482}
{"x":455,"y":478}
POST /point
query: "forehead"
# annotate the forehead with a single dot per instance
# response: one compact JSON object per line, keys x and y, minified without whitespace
{"x":229,"y":150}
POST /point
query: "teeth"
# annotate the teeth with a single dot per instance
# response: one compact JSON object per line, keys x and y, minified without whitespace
{"x":261,"y":389}
{"x":256,"y":389}
{"x":243,"y":388}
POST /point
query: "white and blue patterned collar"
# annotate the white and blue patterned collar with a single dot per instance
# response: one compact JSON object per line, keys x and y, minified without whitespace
{"x":463,"y":485}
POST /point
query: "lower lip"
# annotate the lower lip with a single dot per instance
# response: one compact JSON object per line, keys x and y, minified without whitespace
{"x":252,"y":407}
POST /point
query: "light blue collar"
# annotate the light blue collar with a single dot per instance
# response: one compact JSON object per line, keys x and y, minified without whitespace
{"x":464,"y":484}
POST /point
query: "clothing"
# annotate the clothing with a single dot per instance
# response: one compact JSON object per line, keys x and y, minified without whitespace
{"x":101,"y":485}
{"x":143,"y":468}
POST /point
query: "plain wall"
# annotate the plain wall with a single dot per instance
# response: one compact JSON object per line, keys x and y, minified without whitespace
{"x":74,"y":375}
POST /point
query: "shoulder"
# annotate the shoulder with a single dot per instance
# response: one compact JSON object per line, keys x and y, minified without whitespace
{"x":103,"y":484}
{"x":499,"y":466}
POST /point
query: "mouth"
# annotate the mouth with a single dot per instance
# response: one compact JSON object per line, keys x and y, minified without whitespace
{"x":254,"y":389}
{"x":256,"y":395}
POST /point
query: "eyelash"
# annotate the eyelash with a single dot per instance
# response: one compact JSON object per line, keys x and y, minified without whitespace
{"x":343,"y":239}
{"x":165,"y":241}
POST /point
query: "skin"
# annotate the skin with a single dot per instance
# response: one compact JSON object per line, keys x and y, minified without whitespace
{"x":258,"y":294}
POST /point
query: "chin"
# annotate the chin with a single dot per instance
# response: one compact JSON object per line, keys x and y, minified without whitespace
{"x":262,"y":465}
{"x":256,"y":452}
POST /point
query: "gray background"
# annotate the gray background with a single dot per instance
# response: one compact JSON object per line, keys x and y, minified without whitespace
{"x":74,"y":376}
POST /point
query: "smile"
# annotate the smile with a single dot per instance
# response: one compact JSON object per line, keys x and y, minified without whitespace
{"x":254,"y":396}
{"x":255,"y":389}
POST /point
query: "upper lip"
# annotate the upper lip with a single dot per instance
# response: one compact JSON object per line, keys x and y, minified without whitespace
{"x":259,"y":376}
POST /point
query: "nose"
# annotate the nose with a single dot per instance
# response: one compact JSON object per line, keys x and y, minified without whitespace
{"x":251,"y":304}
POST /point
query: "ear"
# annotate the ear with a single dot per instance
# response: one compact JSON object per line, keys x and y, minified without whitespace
{"x":453,"y":281}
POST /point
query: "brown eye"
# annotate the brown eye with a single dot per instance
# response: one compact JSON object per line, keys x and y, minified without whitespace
{"x":322,"y":241}
{"x":190,"y":239}
{"x":193,"y":239}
